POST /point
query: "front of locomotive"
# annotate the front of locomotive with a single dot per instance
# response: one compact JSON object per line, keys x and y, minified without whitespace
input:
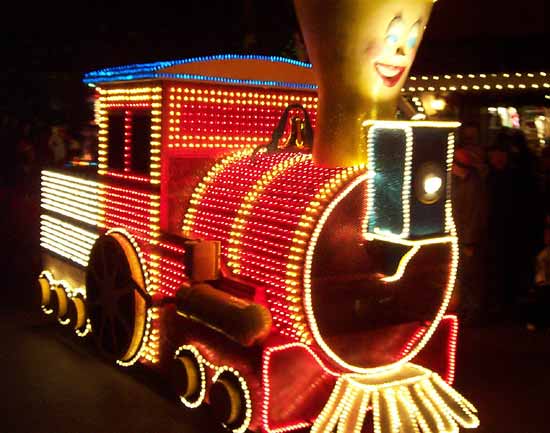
{"x":382,"y":256}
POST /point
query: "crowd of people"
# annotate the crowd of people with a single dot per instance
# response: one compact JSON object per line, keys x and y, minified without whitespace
{"x":501,"y":207}
{"x":33,"y":145}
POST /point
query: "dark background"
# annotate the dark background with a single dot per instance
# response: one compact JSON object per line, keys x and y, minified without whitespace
{"x":48,"y":46}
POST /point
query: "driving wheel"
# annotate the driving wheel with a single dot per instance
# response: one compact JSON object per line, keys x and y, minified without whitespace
{"x":116,"y":301}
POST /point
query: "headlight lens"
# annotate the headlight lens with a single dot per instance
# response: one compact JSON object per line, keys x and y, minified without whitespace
{"x":430,"y":183}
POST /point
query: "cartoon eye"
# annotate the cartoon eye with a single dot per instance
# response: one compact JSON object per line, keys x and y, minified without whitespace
{"x":394,"y":31}
{"x":413,"y":36}
{"x":392,"y":39}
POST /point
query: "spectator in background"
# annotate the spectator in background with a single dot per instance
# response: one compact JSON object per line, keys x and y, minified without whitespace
{"x":469,"y":200}
{"x":74,"y":146}
{"x":42,"y":136}
{"x":512,"y":224}
{"x":530,"y":221}
{"x":9,"y":129}
{"x":296,"y":48}
{"x":63,"y":145}
{"x":57,"y":145}
{"x":544,"y":181}
{"x":89,"y":143}
{"x":502,"y":229}
{"x":26,"y":164}
{"x":469,"y":139}
{"x":539,"y":299}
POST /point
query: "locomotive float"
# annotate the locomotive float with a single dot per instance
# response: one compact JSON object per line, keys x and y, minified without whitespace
{"x":263,"y":232}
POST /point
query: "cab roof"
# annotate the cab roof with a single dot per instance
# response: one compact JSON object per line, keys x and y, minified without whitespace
{"x":255,"y":70}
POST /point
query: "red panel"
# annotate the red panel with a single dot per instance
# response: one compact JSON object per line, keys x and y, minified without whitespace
{"x":293,"y":396}
{"x":439,"y":354}
{"x":230,"y":118}
{"x":222,"y":199}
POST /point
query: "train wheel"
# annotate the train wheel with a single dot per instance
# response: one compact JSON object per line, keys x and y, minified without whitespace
{"x":59,"y":302}
{"x":45,"y":294}
{"x":44,"y":291}
{"x":189,"y":377}
{"x":229,"y":400}
{"x":76,"y":311}
{"x":116,"y":299}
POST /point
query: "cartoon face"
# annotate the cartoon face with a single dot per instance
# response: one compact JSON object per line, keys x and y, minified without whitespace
{"x":394,"y":56}
{"x":388,"y":46}
{"x":361,"y":53}
{"x":366,"y":47}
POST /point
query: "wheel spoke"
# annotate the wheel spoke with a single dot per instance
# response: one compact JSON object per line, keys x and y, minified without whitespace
{"x":94,"y":283}
{"x":122,"y":280}
{"x":102,"y":262}
{"x":107,"y":340}
{"x":124,"y":332}
{"x":137,"y":288}
{"x":110,"y":262}
{"x":110,"y":275}
{"x":125,"y":306}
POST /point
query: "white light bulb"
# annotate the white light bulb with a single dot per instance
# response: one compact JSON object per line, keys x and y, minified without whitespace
{"x":432,"y":184}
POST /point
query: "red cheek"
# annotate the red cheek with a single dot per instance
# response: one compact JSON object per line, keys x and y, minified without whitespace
{"x":374,"y":48}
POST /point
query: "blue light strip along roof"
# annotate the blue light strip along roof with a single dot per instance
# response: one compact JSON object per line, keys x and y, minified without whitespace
{"x":150,"y":71}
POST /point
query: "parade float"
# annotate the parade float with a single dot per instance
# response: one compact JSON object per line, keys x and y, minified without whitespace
{"x":264,"y":234}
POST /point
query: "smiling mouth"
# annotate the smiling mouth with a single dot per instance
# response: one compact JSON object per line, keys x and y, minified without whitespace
{"x":390,"y":74}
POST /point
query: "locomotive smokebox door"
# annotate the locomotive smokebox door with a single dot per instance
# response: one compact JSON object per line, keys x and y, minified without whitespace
{"x":202,"y":260}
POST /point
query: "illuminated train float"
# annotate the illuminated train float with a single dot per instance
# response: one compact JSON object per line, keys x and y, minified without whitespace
{"x":264,"y":234}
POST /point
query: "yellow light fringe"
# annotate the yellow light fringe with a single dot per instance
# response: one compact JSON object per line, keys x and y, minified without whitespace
{"x":412,"y":399}
{"x":402,"y":265}
{"x":200,"y":190}
{"x":152,"y":95}
{"x":140,"y":275}
{"x":308,"y":304}
{"x":406,"y":128}
{"x":449,"y":222}
{"x":240,"y":219}
{"x":407,"y":131}
{"x":477,"y":82}
{"x":300,"y":239}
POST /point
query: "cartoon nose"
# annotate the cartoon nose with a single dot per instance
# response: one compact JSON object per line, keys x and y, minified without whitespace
{"x":400,"y":51}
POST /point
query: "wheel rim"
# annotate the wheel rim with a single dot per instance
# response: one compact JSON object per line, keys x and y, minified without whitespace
{"x":76,"y":311}
{"x":116,"y":303}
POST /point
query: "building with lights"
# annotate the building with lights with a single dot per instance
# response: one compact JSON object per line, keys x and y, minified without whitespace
{"x":519,"y":100}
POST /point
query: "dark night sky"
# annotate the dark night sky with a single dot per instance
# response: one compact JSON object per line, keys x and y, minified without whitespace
{"x":49,"y":47}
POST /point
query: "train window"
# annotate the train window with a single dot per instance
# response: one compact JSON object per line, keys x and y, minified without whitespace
{"x":141,"y":142}
{"x":129,"y":141}
{"x":115,"y":139}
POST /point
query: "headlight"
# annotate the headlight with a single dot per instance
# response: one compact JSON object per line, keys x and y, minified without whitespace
{"x":432,"y":184}
{"x":429,"y":183}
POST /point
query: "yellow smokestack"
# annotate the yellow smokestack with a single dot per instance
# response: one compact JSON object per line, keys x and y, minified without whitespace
{"x":361,"y":52}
